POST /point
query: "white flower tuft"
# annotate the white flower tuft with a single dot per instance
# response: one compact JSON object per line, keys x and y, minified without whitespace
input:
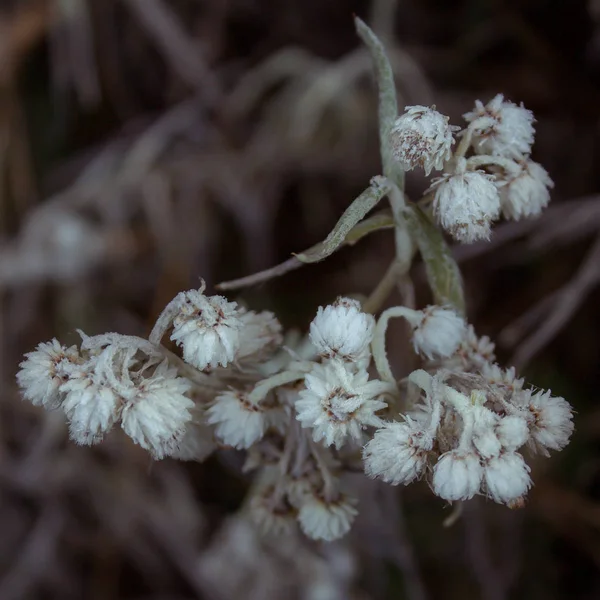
{"x":338,"y":403}
{"x":513,"y":432}
{"x":45,"y":370}
{"x":438,"y":332}
{"x":239,"y":422}
{"x":501,"y":128}
{"x":328,"y":521}
{"x":507,"y":478}
{"x":457,"y":475}
{"x":342,"y":330}
{"x":551,"y":422}
{"x":398,"y":452}
{"x":525,"y":193}
{"x":207,"y":328}
{"x":422,"y":137}
{"x":465,"y":203}
{"x":260,"y":335}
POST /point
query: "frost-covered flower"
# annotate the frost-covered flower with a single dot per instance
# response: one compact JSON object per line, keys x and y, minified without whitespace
{"x":457,"y":475}
{"x":507,"y":478}
{"x":259,"y":336}
{"x":398,"y":452}
{"x":238,"y":422}
{"x":525,"y":193}
{"x":342,"y":330}
{"x":465,"y":203}
{"x":551,"y":423}
{"x":501,"y":128}
{"x":328,"y":521}
{"x":207,"y":328}
{"x":156,"y":411}
{"x":438,"y":332}
{"x":512,"y":432}
{"x":44,"y":370}
{"x":338,"y":403}
{"x":422,"y":137}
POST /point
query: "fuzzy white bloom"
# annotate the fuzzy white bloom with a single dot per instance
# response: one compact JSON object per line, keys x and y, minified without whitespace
{"x":198,"y":441}
{"x":501,"y":128}
{"x":207,"y":328}
{"x":338,"y":403}
{"x":476,"y":352}
{"x":551,"y":421}
{"x":238,"y":422}
{"x":438,"y":332}
{"x":328,"y":521}
{"x":507,"y":478}
{"x":465,"y":203}
{"x":422,"y":137}
{"x":44,"y":370}
{"x":398,"y":452}
{"x":342,"y":330}
{"x":457,"y":475}
{"x":512,"y":432}
{"x":503,"y":379}
{"x":525,"y":193}
{"x":156,"y":411}
{"x":259,"y":336}
{"x":485,"y":439}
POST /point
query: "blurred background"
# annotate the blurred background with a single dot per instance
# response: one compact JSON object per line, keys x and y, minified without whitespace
{"x":147,"y":143}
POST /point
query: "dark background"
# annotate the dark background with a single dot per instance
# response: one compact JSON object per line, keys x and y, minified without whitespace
{"x":147,"y":143}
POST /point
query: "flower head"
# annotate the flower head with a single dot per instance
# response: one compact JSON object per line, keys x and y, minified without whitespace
{"x":342,"y":330}
{"x":439,"y":332}
{"x":198,"y":441}
{"x":501,"y":128}
{"x":457,"y":475}
{"x":321,"y":519}
{"x":421,"y":137}
{"x":465,"y":203}
{"x":512,"y":432}
{"x":507,"y":478}
{"x":338,"y":403}
{"x":259,"y":336}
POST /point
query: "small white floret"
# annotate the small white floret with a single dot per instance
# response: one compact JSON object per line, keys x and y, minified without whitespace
{"x":507,"y":478}
{"x":501,"y":128}
{"x":260,"y":335}
{"x":438,"y":332}
{"x":198,"y":441}
{"x":526,"y":192}
{"x":328,"y":521}
{"x":513,"y":432}
{"x":465,"y":204}
{"x":342,"y":330}
{"x":457,"y":475}
{"x":422,"y":137}
{"x":398,"y":452}
{"x":551,"y":421}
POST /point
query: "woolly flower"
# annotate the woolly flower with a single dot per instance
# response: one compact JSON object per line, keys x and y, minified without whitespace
{"x":338,"y":403}
{"x":504,"y":379}
{"x":207,"y":328}
{"x":328,"y":521}
{"x":44,"y":370}
{"x":342,"y":330}
{"x":501,"y":128}
{"x":525,"y":193}
{"x":485,"y":439}
{"x":198,"y":441}
{"x":438,"y":332}
{"x":507,"y":478}
{"x":421,"y":137}
{"x":476,"y":352}
{"x":239,"y":422}
{"x":512,"y":432}
{"x":398,"y":452}
{"x":259,"y":336}
{"x":457,"y":475}
{"x":465,"y":203}
{"x":156,"y":411}
{"x":551,"y":421}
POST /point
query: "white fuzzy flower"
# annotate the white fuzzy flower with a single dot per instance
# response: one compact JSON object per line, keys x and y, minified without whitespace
{"x":259,"y":336}
{"x":457,"y":475}
{"x":476,"y":352}
{"x":465,"y":203}
{"x":328,"y":521}
{"x":501,"y":128}
{"x":198,"y":441}
{"x":438,"y":332}
{"x":342,"y":330}
{"x":513,"y":432}
{"x":239,"y":422}
{"x":44,"y":370}
{"x":551,"y":423}
{"x":338,"y":403}
{"x":398,"y":452}
{"x":207,"y":328}
{"x":507,"y":478}
{"x":485,"y":440}
{"x":421,"y":137}
{"x":525,"y":193}
{"x":156,"y":411}
{"x":505,"y":380}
